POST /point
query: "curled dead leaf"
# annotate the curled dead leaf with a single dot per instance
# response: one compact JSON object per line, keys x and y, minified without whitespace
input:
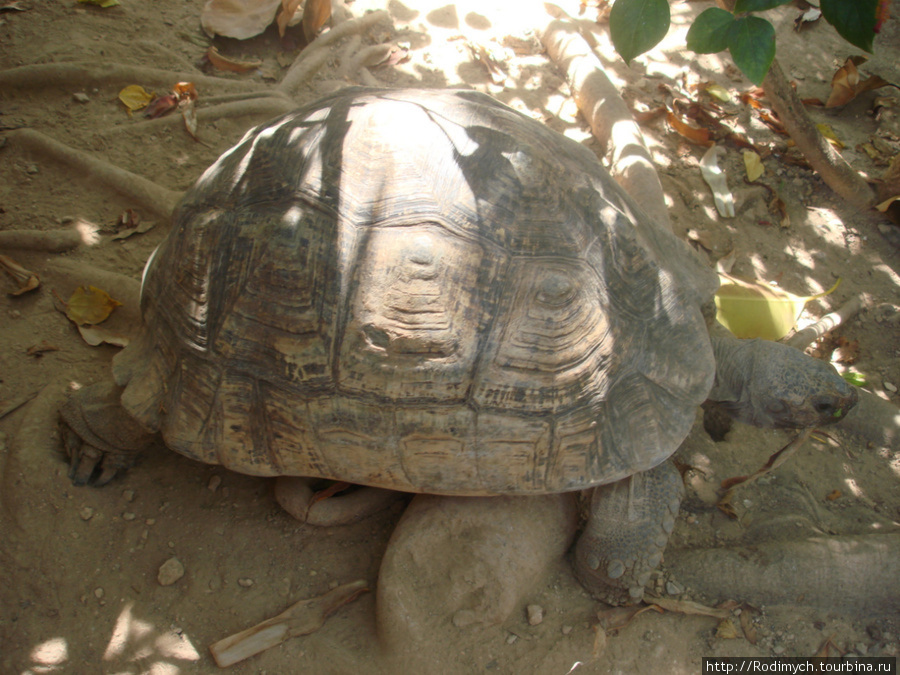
{"x":220,"y":62}
{"x":749,"y":630}
{"x":288,"y":15}
{"x":714,"y":176}
{"x":25,"y":279}
{"x":697,"y":135}
{"x":42,"y":348}
{"x":97,"y":335}
{"x":846,"y":83}
{"x":161,"y":106}
{"x":726,"y":630}
{"x":315,"y":14}
{"x":810,"y":16}
{"x":90,"y":305}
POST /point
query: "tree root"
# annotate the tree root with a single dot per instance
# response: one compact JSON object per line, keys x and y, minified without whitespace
{"x":609,"y":116}
{"x":50,"y":241}
{"x":856,"y":572}
{"x":145,"y":193}
{"x":825,"y":160}
{"x":804,"y":338}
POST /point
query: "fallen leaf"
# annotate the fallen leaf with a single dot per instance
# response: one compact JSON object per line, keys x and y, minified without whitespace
{"x":97,"y":335}
{"x":829,"y":649}
{"x":689,"y":607}
{"x":846,"y":351}
{"x":715,"y":178}
{"x":847,"y":85}
{"x":753,"y":165}
{"x":718,"y":92}
{"x":830,"y":135}
{"x":834,"y":494}
{"x":161,"y":106}
{"x":726,"y":630}
{"x":135,"y":97}
{"x":855,"y":378}
{"x":747,"y":623}
{"x":752,"y":309}
{"x":220,"y":62}
{"x":616,"y":618}
{"x":811,"y":15}
{"x":25,"y":279}
{"x":315,"y":14}
{"x":886,"y":204}
{"x":697,"y":135}
{"x":100,"y":3}
{"x":189,"y":113}
{"x":41,"y":349}
{"x":90,"y":305}
{"x":494,"y":57}
{"x":239,"y":19}
{"x":600,"y":640}
{"x":287,"y":15}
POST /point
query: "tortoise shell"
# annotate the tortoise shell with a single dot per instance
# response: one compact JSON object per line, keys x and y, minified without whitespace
{"x":419,"y":290}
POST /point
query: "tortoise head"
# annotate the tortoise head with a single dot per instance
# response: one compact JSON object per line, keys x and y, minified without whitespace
{"x":773,"y":385}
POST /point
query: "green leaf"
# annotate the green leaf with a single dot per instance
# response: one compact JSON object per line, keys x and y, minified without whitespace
{"x":637,"y":26}
{"x":854,"y":378}
{"x":854,"y":21}
{"x":751,"y":41}
{"x":757,"y":5}
{"x":708,"y":33}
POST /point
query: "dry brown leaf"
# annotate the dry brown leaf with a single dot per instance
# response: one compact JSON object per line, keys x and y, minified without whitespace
{"x":25,"y":279}
{"x":41,"y":349}
{"x":97,"y":335}
{"x":616,"y":618}
{"x":689,"y":607}
{"x":315,"y":14}
{"x":694,"y":134}
{"x":829,"y":649}
{"x":220,"y":62}
{"x":287,"y":14}
{"x":161,"y":106}
{"x":847,"y":85}
{"x":90,"y":305}
{"x":811,"y":15}
{"x":747,"y":626}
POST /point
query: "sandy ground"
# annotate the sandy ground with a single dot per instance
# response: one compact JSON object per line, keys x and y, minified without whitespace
{"x":80,"y":590}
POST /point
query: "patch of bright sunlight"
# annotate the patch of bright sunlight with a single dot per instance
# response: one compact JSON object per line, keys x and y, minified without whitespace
{"x":853,"y":486}
{"x":50,"y":655}
{"x":88,"y":231}
{"x":136,"y":640}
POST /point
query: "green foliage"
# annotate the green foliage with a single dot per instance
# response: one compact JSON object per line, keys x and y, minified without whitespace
{"x":637,"y":26}
{"x":854,"y":20}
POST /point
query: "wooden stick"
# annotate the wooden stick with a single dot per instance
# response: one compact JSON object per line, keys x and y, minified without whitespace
{"x":804,"y":338}
{"x":303,"y":618}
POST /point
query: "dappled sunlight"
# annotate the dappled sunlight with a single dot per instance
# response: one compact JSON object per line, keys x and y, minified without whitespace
{"x":88,"y":231}
{"x":135,"y":647}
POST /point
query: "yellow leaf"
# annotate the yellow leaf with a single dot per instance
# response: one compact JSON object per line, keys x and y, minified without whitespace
{"x":90,"y":305}
{"x":886,"y":204}
{"x":753,"y":164}
{"x":719,"y":92}
{"x":135,"y":97}
{"x":726,"y":630}
{"x":829,"y":135}
{"x":751,"y":309}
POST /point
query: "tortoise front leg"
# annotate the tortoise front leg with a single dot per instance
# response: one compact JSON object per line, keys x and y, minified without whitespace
{"x":100,"y":438}
{"x":628,"y":526}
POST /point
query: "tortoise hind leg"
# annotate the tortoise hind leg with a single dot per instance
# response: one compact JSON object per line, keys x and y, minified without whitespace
{"x":100,"y":438}
{"x":629,"y":523}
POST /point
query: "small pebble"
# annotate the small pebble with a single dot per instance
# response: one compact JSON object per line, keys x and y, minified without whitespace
{"x":98,"y":592}
{"x":244,"y":582}
{"x":129,"y":495}
{"x":566,"y":630}
{"x":891,"y":387}
{"x":511,"y":638}
{"x":214,"y":483}
{"x":535,"y":614}
{"x":32,"y":169}
{"x":170,"y":572}
{"x":150,"y":521}
{"x":128,"y":516}
{"x":81,"y":97}
{"x":86,"y":513}
{"x":673,"y":589}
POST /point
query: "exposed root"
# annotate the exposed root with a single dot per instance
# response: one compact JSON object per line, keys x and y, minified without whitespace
{"x":610,"y":118}
{"x":314,"y":56}
{"x":51,"y":241}
{"x":145,"y":193}
{"x":91,"y":75}
{"x":856,"y":572}
{"x":804,"y":338}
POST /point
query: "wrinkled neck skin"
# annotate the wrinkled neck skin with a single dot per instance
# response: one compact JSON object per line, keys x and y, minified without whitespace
{"x":734,"y":360}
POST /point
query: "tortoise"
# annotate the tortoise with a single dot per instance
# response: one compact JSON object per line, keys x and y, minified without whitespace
{"x":427,"y":291}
